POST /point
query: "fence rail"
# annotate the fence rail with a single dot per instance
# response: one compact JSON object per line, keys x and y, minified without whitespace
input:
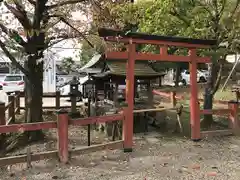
{"x":64,"y":121}
{"x":13,"y":106}
{"x":62,"y":125}
{"x":174,"y":97}
{"x":231,"y":112}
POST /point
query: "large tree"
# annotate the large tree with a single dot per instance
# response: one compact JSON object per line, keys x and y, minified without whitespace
{"x":31,"y":27}
{"x":143,"y":16}
{"x":204,"y":19}
{"x":214,"y":19}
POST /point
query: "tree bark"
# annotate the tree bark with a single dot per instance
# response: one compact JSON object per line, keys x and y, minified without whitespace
{"x":213,"y":83}
{"x":208,"y":104}
{"x":177,"y":76}
{"x":33,"y":96}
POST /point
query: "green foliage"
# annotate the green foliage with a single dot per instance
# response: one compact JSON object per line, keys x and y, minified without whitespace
{"x":216,"y":19}
{"x":87,"y":51}
{"x":67,"y":65}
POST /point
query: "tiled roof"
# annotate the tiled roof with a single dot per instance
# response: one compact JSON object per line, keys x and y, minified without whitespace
{"x":141,"y":69}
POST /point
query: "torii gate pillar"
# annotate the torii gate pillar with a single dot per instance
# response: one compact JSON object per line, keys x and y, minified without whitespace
{"x":194,"y":106}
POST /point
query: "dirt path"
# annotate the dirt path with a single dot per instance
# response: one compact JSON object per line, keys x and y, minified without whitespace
{"x":154,"y":158}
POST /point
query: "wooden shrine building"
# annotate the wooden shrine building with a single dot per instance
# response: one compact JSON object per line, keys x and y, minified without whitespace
{"x":108,"y":75}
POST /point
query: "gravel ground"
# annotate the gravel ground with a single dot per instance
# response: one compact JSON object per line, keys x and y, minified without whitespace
{"x":155,"y":157}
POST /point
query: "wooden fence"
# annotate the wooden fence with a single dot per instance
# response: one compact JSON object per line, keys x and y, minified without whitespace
{"x":64,"y":121}
{"x":231,"y":111}
{"x":174,"y":97}
{"x":62,"y":124}
{"x":9,"y":111}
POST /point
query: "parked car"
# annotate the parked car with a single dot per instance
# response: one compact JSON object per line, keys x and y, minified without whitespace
{"x":202,"y":76}
{"x":12,"y":83}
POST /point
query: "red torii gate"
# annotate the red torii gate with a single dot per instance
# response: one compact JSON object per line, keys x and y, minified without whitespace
{"x":131,"y":56}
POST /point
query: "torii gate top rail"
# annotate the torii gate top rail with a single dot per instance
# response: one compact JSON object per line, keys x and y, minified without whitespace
{"x":165,"y":41}
{"x":142,"y":38}
{"x":131,"y":55}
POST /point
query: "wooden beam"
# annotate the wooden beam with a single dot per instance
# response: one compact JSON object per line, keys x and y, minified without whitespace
{"x":163,"y":50}
{"x":166,"y":95}
{"x":130,"y":81}
{"x":28,"y":127}
{"x":97,"y":119}
{"x":23,"y":158}
{"x":155,"y":57}
{"x":215,"y":111}
{"x":194,"y":106}
{"x":54,"y":107}
{"x":98,"y":147}
{"x":54,"y":154}
{"x":156,"y":42}
{"x":153,"y":110}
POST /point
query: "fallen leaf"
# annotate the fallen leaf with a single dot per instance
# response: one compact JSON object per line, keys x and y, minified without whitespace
{"x":196,"y":166}
{"x":212,"y":174}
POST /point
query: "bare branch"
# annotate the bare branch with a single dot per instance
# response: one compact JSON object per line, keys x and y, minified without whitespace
{"x":82,"y":35}
{"x":20,"y":13}
{"x":204,"y":6}
{"x":235,"y":9}
{"x":32,"y":2}
{"x":12,"y":58}
{"x":219,"y":76}
{"x":224,"y":2}
{"x":63,"y":3}
{"x":181,"y":18}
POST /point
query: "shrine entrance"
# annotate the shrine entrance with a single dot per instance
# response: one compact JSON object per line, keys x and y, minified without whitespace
{"x":131,"y":55}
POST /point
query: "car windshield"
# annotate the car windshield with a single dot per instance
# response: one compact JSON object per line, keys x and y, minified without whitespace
{"x":13,"y":78}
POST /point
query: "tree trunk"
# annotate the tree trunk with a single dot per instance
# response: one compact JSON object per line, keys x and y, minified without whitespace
{"x":208,"y":104}
{"x":33,"y":96}
{"x":177,"y":76}
{"x":211,"y":88}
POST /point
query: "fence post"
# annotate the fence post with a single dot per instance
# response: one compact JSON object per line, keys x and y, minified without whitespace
{"x":2,"y":114}
{"x":173,"y":98}
{"x":57,"y":100}
{"x":11,"y":109}
{"x":62,"y":125}
{"x":2,"y":122}
{"x":17,"y":102}
{"x":234,"y":124}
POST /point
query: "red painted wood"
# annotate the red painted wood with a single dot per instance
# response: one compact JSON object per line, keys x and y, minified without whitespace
{"x":215,"y":111}
{"x":170,"y":58}
{"x":128,"y":122}
{"x":155,"y":57}
{"x":194,"y":106}
{"x":97,"y":119}
{"x":233,"y":116}
{"x":165,"y":94}
{"x":28,"y":127}
{"x":163,"y":50}
{"x":156,"y":42}
{"x":63,"y":137}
